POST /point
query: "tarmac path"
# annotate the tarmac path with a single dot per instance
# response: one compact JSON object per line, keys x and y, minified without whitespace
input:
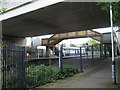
{"x":98,"y":76}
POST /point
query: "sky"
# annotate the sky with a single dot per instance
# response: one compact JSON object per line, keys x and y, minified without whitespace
{"x":76,"y":41}
{"x":73,"y":41}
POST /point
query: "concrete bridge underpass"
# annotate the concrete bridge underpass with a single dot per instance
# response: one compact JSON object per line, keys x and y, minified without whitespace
{"x":41,"y":17}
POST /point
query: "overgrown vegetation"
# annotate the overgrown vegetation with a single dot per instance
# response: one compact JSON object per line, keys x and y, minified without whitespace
{"x":93,"y":42}
{"x":2,"y":9}
{"x":90,"y":42}
{"x":40,"y":75}
{"x":115,"y":8}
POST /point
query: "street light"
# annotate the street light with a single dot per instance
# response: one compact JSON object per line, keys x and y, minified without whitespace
{"x":112,"y":41}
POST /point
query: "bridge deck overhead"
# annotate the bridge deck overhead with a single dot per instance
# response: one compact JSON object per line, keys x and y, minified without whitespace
{"x":56,"y":38}
{"x":58,"y":18}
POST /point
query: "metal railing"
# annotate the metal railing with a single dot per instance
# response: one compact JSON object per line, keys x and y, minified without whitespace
{"x":94,"y":54}
{"x":21,"y":65}
{"x":13,"y":65}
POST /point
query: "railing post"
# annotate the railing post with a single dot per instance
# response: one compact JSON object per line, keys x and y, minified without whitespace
{"x":92,"y":54}
{"x":61,"y":59}
{"x":87,"y":49}
{"x":81,"y":62}
{"x":19,"y":67}
{"x":23,"y":67}
{"x":38,"y":53}
{"x":100,"y":51}
{"x":105,"y":54}
{"x":75,"y":51}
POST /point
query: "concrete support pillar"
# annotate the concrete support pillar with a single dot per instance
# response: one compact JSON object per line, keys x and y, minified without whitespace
{"x":32,"y":42}
{"x":53,"y":51}
{"x":38,"y":54}
{"x":105,"y":51}
{"x":47,"y":51}
{"x":115,"y":49}
{"x":119,"y":35}
{"x":42,"y":53}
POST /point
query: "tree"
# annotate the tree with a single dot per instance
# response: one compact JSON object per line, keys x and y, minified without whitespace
{"x":116,"y":10}
{"x":92,"y":42}
{"x":64,"y":45}
{"x":72,"y":45}
{"x":84,"y":45}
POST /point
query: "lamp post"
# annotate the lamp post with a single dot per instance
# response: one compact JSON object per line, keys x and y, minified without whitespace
{"x":61,"y":58}
{"x":112,"y":42}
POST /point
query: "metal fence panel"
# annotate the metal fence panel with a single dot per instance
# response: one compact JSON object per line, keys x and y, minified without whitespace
{"x":21,"y":65}
{"x":13,"y":65}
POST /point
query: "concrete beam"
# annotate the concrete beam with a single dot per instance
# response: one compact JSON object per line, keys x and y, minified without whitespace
{"x":58,"y":18}
{"x":34,"y":5}
{"x":18,"y":41}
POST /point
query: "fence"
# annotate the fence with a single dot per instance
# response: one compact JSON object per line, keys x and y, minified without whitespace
{"x":93,"y":55}
{"x":23,"y":68}
{"x":13,"y":65}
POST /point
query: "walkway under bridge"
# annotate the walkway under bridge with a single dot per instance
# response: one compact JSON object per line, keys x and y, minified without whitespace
{"x":70,"y":16}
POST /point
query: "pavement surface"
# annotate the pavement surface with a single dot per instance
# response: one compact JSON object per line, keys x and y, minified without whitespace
{"x":98,"y":76}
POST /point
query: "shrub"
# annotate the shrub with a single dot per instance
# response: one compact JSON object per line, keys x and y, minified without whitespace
{"x":40,"y":75}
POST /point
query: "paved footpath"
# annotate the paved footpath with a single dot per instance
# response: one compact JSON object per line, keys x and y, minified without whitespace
{"x":96,"y":77}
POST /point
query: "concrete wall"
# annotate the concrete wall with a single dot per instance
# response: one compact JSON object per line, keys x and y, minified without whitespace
{"x":19,"y":41}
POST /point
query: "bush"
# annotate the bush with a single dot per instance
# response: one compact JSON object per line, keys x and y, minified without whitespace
{"x":40,"y":75}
